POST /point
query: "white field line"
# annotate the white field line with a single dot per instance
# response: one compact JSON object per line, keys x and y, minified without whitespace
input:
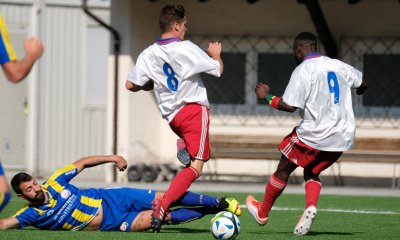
{"x":335,"y":210}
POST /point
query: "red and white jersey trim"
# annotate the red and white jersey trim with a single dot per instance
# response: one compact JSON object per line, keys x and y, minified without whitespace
{"x":204,"y":129}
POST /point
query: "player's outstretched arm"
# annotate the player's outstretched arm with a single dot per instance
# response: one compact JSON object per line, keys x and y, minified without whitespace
{"x":8,"y":223}
{"x":135,"y":88}
{"x":214,"y":50}
{"x":263,"y":92}
{"x":92,"y":161}
{"x":282,"y":106}
{"x":16,"y":71}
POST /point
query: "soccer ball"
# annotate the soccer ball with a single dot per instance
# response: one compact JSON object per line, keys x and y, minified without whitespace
{"x":225,"y":225}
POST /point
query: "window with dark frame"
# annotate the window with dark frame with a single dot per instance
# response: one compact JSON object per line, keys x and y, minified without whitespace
{"x":230,"y":87}
{"x":382,"y":72}
{"x":275,"y":70}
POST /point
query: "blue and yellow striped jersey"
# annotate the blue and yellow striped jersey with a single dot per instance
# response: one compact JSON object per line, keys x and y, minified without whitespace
{"x":67,"y":207}
{"x":7,"y":53}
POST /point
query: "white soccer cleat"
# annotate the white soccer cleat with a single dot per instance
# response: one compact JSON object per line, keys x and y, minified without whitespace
{"x":306,"y":220}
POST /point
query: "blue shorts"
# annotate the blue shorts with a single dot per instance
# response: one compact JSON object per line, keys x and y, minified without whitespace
{"x":122,"y":205}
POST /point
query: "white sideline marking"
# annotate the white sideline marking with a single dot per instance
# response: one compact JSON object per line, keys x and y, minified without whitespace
{"x":335,"y":210}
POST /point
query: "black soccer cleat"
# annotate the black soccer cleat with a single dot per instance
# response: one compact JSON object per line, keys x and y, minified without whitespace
{"x":157,"y":216}
{"x":183,"y":154}
{"x":230,"y":205}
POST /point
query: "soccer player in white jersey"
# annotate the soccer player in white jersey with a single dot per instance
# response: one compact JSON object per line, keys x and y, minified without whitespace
{"x":321,"y":88}
{"x":172,"y":67}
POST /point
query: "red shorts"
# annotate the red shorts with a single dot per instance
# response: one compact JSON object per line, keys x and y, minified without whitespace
{"x":305,"y":156}
{"x":191,"y":123}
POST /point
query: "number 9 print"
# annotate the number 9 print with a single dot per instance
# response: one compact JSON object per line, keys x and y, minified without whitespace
{"x":334,"y":87}
{"x":172,"y":82}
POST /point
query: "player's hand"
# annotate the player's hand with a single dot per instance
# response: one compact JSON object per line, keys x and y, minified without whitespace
{"x":361,"y":89}
{"x":262,"y":90}
{"x":214,"y":49}
{"x":33,"y":47}
{"x":121,"y":163}
{"x":148,"y":86}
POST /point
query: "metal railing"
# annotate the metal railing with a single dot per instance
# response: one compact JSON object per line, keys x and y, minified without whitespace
{"x":252,"y":58}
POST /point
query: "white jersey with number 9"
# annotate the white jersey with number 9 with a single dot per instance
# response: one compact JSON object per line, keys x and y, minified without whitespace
{"x":321,"y":88}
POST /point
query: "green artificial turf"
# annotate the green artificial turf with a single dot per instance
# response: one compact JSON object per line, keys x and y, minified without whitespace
{"x":337,"y":218}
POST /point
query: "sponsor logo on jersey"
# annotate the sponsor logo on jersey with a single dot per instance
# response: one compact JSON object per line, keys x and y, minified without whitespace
{"x":71,"y":172}
{"x":123,"y":227}
{"x":49,"y":213}
{"x":65,"y":193}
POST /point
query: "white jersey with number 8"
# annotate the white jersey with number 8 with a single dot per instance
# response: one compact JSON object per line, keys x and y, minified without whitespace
{"x":321,"y":88}
{"x":175,"y":69}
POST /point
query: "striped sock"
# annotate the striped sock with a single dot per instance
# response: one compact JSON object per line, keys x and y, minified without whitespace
{"x":313,"y":188}
{"x":195,"y":199}
{"x":273,"y":189}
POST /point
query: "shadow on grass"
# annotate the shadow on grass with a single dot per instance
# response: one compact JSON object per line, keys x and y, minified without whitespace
{"x":183,"y":230}
{"x":309,"y":234}
{"x":332,"y":233}
{"x":163,"y":230}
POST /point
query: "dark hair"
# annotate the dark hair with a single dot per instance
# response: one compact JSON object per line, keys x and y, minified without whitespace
{"x":306,"y":38}
{"x":170,"y":14}
{"x":18,"y":179}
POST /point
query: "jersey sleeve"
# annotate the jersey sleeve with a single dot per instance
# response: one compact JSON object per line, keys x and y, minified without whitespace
{"x":354,"y":77}
{"x":63,"y":175}
{"x":196,"y":61}
{"x":137,"y":75}
{"x":7,"y":53}
{"x":26,"y":216}
{"x":297,"y":89}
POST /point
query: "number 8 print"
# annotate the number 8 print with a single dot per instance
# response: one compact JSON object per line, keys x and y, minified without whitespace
{"x":172,"y":82}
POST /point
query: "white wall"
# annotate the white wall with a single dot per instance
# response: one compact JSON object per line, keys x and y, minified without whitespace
{"x":66,"y":114}
{"x":14,"y":101}
{"x":144,"y":137}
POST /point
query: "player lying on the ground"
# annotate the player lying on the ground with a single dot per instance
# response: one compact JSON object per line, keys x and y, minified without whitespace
{"x":57,"y":204}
